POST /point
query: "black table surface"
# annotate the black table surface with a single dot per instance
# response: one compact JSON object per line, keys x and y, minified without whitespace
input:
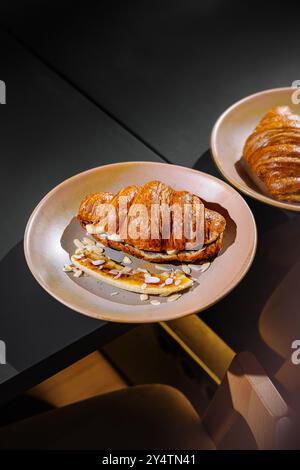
{"x":49,"y":132}
{"x":165,"y":69}
{"x":136,"y":80}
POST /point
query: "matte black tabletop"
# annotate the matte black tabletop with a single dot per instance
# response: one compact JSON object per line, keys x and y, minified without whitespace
{"x":165,"y":69}
{"x":49,"y":132}
{"x":108,"y":82}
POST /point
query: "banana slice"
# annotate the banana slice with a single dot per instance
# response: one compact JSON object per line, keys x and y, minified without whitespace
{"x":107,"y":270}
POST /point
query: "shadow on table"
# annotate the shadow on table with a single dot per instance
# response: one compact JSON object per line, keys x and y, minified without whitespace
{"x":42,"y":336}
{"x":239,"y":317}
{"x":32,"y":323}
{"x":267,"y":216}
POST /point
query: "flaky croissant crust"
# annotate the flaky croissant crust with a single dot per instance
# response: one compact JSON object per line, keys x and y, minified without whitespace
{"x":158,"y":250}
{"x":272,"y":152}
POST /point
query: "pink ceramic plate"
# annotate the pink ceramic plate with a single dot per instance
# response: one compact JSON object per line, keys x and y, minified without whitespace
{"x":52,"y":227}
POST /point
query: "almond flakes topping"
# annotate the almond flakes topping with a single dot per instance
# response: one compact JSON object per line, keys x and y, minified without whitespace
{"x":205,"y":266}
{"x":78,"y":256}
{"x":154,"y":302}
{"x":152,"y":280}
{"x":186,"y":269}
{"x":144,"y":297}
{"x":88,"y":241}
{"x":68,"y":268}
{"x":173,"y":297}
{"x":77,"y":273}
{"x":98,"y":262}
{"x":78,"y":243}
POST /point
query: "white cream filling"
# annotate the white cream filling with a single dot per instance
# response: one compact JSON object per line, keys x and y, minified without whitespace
{"x":114,"y":237}
{"x":98,"y":229}
{"x":90,"y":228}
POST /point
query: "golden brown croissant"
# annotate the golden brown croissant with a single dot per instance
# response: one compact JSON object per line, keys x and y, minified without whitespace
{"x":161,"y":248}
{"x":273,"y":153}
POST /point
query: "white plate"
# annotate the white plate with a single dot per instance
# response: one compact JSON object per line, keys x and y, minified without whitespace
{"x":52,"y":227}
{"x":231,"y":131}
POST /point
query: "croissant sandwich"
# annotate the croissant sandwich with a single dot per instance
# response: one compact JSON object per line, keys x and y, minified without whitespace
{"x":139,"y":215}
{"x":272,"y":153}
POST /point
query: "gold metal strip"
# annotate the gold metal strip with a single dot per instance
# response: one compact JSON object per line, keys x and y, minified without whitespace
{"x":202,"y":344}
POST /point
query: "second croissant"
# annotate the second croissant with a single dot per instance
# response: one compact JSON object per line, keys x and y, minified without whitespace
{"x":157,"y":199}
{"x":272,"y":153}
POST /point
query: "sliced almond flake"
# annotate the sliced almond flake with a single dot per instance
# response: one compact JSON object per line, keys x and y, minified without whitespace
{"x":141,"y":270}
{"x":144,"y":286}
{"x":177,"y":282}
{"x":98,"y":262}
{"x":186,"y":269}
{"x":205,"y":266}
{"x":78,"y":243}
{"x":89,"y":248}
{"x":78,"y":256}
{"x":88,"y":241}
{"x":114,"y":271}
{"x":126,"y":260}
{"x":78,"y":273}
{"x":97,"y":249}
{"x":114,"y":293}
{"x":144,"y":297}
{"x":100,"y":245}
{"x":173,"y":297}
{"x":79,"y":251}
{"x":126,"y":270}
{"x":169,"y":281}
{"x":94,"y":249}
{"x":67,"y":268}
{"x":195,"y":267}
{"x":89,"y":229}
{"x":163,"y":284}
{"x":166,"y":274}
{"x":154,"y":302}
{"x":152,"y":280}
{"x":133,"y":271}
{"x":162,"y":267}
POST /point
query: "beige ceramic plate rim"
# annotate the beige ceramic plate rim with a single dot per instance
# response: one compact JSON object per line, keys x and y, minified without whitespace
{"x":234,"y":282}
{"x":244,"y":188}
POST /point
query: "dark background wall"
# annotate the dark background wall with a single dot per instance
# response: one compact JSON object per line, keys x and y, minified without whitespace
{"x":165,"y":69}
